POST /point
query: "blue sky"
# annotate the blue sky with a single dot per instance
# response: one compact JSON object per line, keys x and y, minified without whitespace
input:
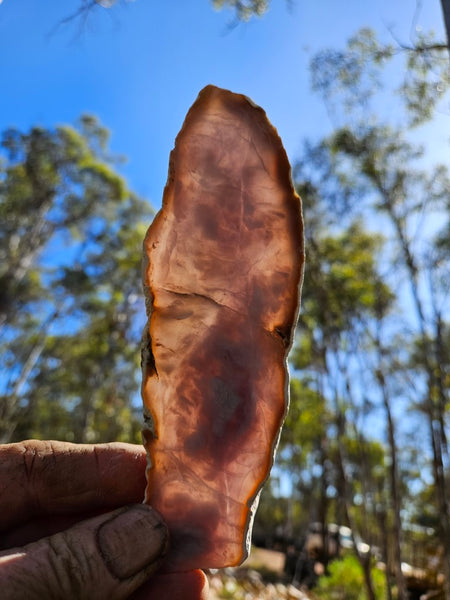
{"x":140,"y":65}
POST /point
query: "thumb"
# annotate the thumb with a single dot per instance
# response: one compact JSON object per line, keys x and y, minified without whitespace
{"x":107,"y":557}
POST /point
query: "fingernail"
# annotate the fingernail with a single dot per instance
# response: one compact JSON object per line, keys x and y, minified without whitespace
{"x":133,"y":539}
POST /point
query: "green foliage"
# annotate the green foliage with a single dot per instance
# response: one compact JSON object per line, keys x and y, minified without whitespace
{"x":354,"y":72}
{"x":373,"y":329}
{"x":342,"y":283}
{"x":345,"y":581}
{"x":427,"y":78}
{"x":303,"y":434}
{"x":388,"y":164}
{"x":244,"y":9}
{"x":271,"y":513}
{"x":306,"y":416}
{"x":70,"y":265}
{"x":352,"y":78}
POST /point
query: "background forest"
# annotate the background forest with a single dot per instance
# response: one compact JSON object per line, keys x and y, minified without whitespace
{"x":366,"y":439}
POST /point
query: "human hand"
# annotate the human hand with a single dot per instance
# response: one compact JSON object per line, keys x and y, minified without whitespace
{"x":63,"y":534}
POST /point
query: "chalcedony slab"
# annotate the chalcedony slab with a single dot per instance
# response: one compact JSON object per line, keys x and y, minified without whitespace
{"x":222,"y":274}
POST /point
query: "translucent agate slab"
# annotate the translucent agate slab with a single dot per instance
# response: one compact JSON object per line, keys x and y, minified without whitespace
{"x":222,"y":274}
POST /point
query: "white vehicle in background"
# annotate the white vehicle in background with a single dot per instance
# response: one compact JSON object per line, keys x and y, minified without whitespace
{"x":337,"y":538}
{"x":346,"y":540}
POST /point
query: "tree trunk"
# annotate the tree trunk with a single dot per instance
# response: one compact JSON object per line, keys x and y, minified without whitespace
{"x":433,"y":408}
{"x":381,"y":514}
{"x":395,"y":493}
{"x":364,"y":561}
{"x":446,"y":12}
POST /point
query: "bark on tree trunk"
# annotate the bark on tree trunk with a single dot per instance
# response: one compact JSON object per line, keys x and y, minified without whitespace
{"x":432,"y":407}
{"x":381,"y":515}
{"x":395,"y":495}
{"x":364,"y":561}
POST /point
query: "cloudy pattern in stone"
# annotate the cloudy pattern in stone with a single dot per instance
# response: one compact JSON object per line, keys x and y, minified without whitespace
{"x":222,"y":274}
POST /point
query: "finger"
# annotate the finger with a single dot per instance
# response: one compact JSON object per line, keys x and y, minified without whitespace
{"x":107,"y":557}
{"x":189,"y":585}
{"x":52,"y":478}
{"x":39,"y":527}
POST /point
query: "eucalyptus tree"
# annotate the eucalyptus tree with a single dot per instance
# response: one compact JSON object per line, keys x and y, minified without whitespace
{"x":70,"y":252}
{"x":373,"y":154}
{"x":341,"y":291}
{"x":243,"y":9}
